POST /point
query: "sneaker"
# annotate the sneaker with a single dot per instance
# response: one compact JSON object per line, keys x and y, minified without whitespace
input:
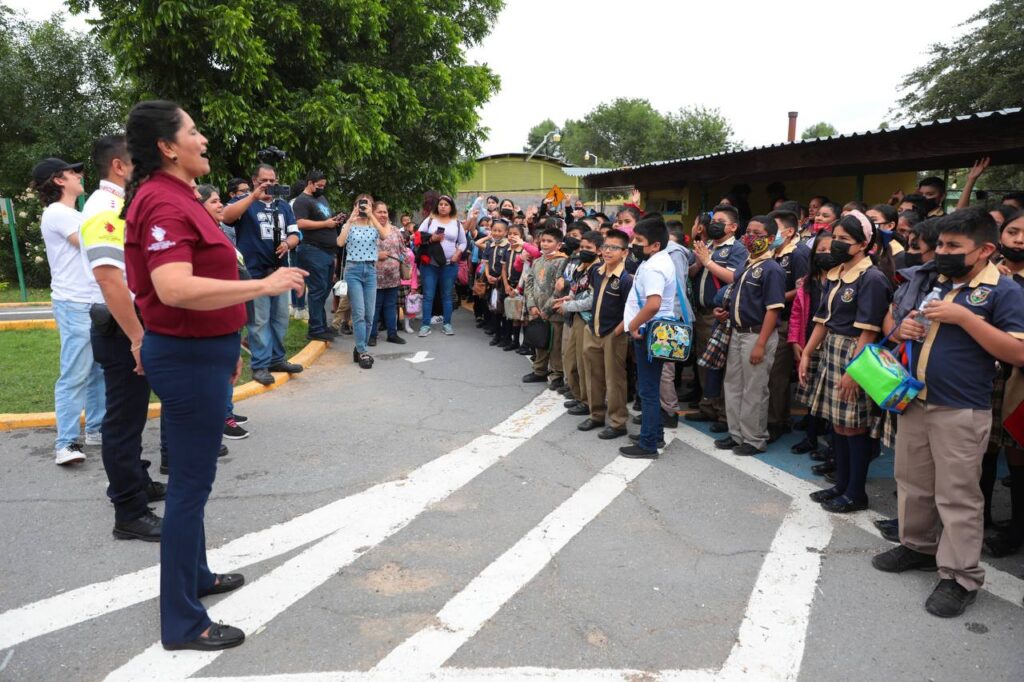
{"x":437,"y":319}
{"x":263,"y":376}
{"x":901,"y":558}
{"x":232,"y":431}
{"x":949,"y":599}
{"x":448,"y":330}
{"x":94,"y":438}
{"x":69,"y":454}
{"x":239,"y":419}
{"x":424,"y":331}
{"x":396,"y":339}
{"x":637,"y":452}
{"x":146,"y":528}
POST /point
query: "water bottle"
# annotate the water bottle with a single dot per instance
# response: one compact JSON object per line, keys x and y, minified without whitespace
{"x":934,"y":295}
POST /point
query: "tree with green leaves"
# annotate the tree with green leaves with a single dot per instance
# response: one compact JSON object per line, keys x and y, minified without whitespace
{"x":377,"y":93}
{"x":817,"y":130}
{"x":628,"y":132}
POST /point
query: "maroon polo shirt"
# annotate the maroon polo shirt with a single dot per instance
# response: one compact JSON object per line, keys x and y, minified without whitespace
{"x":167,"y":224}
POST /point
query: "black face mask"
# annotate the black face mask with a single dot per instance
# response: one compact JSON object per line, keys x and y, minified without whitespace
{"x":716,"y":230}
{"x":952,"y":265}
{"x":318,"y":192}
{"x":824,"y":261}
{"x":507,"y":213}
{"x":912,"y":260}
{"x":638,"y":252}
{"x":587,"y":256}
{"x":840,"y":251}
{"x":1012,"y":255}
{"x":570,"y":244}
{"x":930,"y":205}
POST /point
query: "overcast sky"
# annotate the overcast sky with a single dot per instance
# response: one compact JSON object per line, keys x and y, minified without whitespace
{"x":830,"y":61}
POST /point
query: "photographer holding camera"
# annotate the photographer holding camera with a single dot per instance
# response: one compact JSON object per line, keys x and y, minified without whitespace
{"x":266,"y":230}
{"x":360,"y":235}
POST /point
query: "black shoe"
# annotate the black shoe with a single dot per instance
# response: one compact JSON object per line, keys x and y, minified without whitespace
{"x":844,"y":505}
{"x":224,"y":582}
{"x":346,"y":328}
{"x":823,"y":468}
{"x":610,"y":432}
{"x":635,"y":438}
{"x":700,"y":417}
{"x":803,"y":447}
{"x":901,"y":558}
{"x":830,"y":477}
{"x":223,"y":452}
{"x":366,"y":361}
{"x":321,"y":336}
{"x":819,"y":456}
{"x":564,"y":390}
{"x":396,"y":339}
{"x":156,"y":491}
{"x":824,"y":495}
{"x":579,"y":410}
{"x":489,"y":332}
{"x":524,"y":350}
{"x":949,"y":599}
{"x":726,"y":443}
{"x":557,"y":383}
{"x":239,"y":419}
{"x":1003,"y":543}
{"x":145,"y":528}
{"x":746,"y":450}
{"x":289,"y":367}
{"x":892,"y":534}
{"x":372,"y":341}
{"x":263,"y":376}
{"x":773,"y":435}
{"x":232,"y":431}
{"x":637,"y":452}
{"x":589,"y":424}
{"x":669,"y":420}
{"x":570,"y":403}
{"x":532,"y":378}
{"x":719,"y":427}
{"x":496,"y":341}
{"x":511,"y":345}
{"x":638,"y":419}
{"x":480,"y":323}
{"x":221,"y":636}
{"x":883,"y":524}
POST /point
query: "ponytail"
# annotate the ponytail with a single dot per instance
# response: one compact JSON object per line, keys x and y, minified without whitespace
{"x":148,"y":123}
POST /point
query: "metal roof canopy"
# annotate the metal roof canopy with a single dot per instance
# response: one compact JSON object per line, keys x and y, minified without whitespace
{"x":945,"y":143}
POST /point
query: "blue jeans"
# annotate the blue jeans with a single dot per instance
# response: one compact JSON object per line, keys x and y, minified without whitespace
{"x":362,"y":295}
{"x":80,"y":385}
{"x":648,"y":385}
{"x":387,"y":304}
{"x":432,"y":276}
{"x":267,"y":330}
{"x":192,"y":379}
{"x":319,"y":264}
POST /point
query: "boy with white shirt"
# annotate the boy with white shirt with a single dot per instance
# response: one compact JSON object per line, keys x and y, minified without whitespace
{"x":653,"y":295}
{"x":80,"y":385}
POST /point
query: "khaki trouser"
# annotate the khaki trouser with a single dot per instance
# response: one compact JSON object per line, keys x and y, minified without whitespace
{"x":746,"y":389}
{"x":938,"y":466}
{"x":702,"y":332}
{"x":552,"y":355}
{"x":604,"y":360}
{"x":778,"y":383}
{"x":668,"y":397}
{"x":572,"y":358}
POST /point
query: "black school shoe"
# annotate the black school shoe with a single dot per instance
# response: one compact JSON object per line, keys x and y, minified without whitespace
{"x":901,"y":558}
{"x":511,"y":345}
{"x":637,"y":452}
{"x":145,"y":528}
{"x":719,"y":427}
{"x":221,"y":636}
{"x":224,"y":582}
{"x":589,"y":424}
{"x":844,"y":505}
{"x":726,"y":443}
{"x":570,"y":403}
{"x":803,"y":447}
{"x":579,"y":410}
{"x":156,"y":491}
{"x":610,"y":432}
{"x":636,"y":439}
{"x":532,"y":378}
{"x":669,"y":420}
{"x":289,"y":367}
{"x":823,"y":468}
{"x":949,"y":599}
{"x":746,"y":450}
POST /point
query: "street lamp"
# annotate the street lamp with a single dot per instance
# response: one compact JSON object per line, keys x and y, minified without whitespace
{"x":588,"y":156}
{"x":553,"y":135}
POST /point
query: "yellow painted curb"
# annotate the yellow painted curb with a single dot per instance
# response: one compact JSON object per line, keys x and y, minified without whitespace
{"x":21,"y":325}
{"x":305,"y":357}
{"x":27,"y":304}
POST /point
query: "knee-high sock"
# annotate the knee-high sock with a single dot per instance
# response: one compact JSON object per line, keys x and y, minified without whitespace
{"x":859,"y":449}
{"x":841,"y":453}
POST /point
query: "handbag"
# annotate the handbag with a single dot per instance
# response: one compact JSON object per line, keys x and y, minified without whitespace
{"x":494,"y":300}
{"x":515,"y":306}
{"x":413,"y":304}
{"x":479,"y":286}
{"x":537,"y":333}
{"x":883,"y":377}
{"x":669,"y":338}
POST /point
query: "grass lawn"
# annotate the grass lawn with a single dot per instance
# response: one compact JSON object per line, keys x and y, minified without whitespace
{"x":10,"y":293}
{"x":30,"y":364}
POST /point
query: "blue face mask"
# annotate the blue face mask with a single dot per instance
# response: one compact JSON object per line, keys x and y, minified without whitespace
{"x":887,"y":236}
{"x":779,"y":239}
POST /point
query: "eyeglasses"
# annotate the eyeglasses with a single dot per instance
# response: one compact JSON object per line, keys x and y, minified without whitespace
{"x":612,"y":247}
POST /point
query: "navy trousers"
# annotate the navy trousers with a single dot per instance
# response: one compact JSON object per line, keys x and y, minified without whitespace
{"x":648,"y":385}
{"x":127,"y":397}
{"x":191,"y":377}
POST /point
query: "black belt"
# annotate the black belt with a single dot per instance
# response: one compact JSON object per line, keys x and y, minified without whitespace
{"x":756,"y":329}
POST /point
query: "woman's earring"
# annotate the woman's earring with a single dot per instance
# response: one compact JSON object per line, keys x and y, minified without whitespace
{"x":174,"y":158}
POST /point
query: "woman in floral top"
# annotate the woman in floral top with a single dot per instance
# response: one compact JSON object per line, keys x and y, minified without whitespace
{"x":390,"y":256}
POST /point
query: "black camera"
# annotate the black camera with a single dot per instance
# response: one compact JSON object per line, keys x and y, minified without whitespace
{"x":271,"y":155}
{"x":364,"y":205}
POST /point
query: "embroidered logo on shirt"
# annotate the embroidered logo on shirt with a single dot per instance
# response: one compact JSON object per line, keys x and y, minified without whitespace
{"x":159,"y":233}
{"x":614,"y":284}
{"x":723,"y":253}
{"x":160,"y":244}
{"x":847,"y":295}
{"x":979,"y":296}
{"x":756,"y":272}
{"x":785,"y":261}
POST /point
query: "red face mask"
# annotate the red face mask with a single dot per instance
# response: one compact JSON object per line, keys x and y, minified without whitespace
{"x":818,"y":227}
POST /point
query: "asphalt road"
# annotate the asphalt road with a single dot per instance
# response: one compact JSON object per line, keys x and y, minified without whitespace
{"x":26,"y":313}
{"x":441,"y":520}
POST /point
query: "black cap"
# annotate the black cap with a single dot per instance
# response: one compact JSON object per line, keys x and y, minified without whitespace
{"x":47,"y":168}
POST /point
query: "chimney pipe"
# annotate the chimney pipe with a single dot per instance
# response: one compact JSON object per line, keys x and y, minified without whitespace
{"x":792,"y":127}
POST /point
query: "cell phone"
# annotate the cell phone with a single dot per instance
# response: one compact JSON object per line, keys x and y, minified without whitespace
{"x":439,"y":230}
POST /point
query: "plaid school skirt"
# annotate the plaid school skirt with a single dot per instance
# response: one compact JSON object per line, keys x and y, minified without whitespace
{"x":803,"y":394}
{"x":825,"y":401}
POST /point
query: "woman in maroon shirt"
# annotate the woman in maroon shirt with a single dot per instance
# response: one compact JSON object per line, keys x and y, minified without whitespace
{"x":184,"y":273}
